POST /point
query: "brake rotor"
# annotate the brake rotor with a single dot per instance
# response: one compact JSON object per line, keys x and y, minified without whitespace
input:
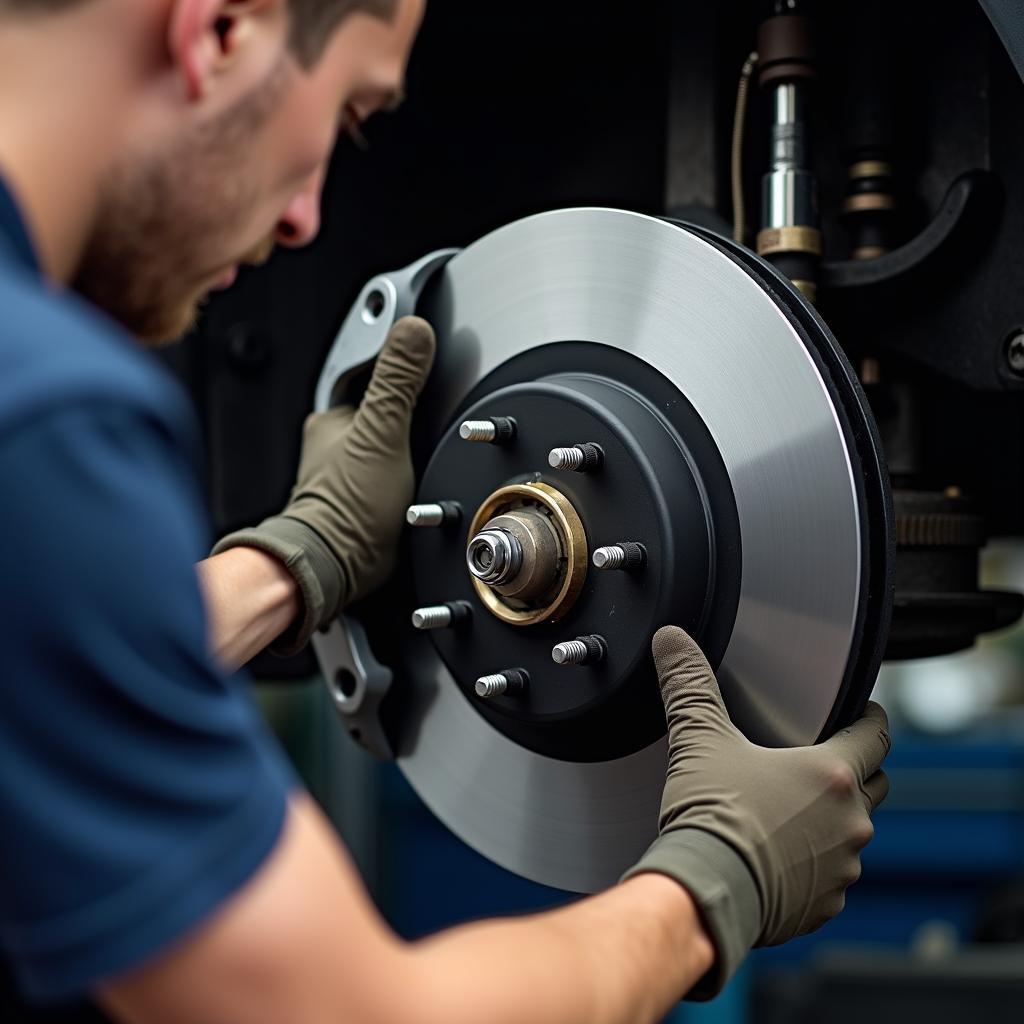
{"x":736,"y":451}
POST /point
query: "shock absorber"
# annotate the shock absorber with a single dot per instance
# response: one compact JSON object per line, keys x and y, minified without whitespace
{"x":789,"y":237}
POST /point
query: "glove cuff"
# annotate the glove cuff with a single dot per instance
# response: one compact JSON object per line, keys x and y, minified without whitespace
{"x":723,"y":889}
{"x":310,"y":561}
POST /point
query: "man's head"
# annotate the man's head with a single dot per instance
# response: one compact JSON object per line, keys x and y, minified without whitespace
{"x":233,"y":116}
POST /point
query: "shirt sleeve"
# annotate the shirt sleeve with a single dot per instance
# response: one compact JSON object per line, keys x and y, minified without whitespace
{"x":138,"y":786}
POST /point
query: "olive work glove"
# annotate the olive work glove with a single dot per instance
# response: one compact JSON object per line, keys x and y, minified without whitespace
{"x":766,"y":840}
{"x":339,"y":532}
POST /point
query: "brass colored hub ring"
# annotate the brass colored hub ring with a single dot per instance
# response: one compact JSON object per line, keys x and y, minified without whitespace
{"x":572,"y":540}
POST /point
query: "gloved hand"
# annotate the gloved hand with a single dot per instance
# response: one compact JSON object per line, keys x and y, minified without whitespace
{"x":765,"y":840}
{"x":339,"y":532}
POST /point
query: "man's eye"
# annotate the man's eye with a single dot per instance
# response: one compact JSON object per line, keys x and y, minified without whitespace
{"x":352,"y":126}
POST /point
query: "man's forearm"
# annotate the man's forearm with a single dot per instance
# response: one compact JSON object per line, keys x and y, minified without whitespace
{"x":623,"y":957}
{"x":251,"y":599}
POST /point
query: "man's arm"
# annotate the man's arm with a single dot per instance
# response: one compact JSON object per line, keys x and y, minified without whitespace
{"x":302,"y":942}
{"x":250,"y":598}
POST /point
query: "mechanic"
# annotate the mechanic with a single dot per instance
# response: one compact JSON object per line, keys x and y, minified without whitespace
{"x":158,"y":858}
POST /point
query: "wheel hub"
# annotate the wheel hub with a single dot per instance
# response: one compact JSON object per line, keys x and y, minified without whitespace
{"x":527,"y":554}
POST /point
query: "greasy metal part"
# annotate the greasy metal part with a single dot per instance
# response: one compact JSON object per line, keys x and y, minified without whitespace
{"x":585,"y":457}
{"x":551,"y":573}
{"x":510,"y":681}
{"x":383,"y":300}
{"x":441,"y":616}
{"x":626,"y":555}
{"x":692,"y":313}
{"x":584,"y":650}
{"x":494,"y":556}
{"x":436,"y":513}
{"x":498,"y":430}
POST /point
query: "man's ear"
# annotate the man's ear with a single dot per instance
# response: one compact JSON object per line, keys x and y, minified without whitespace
{"x":202,"y":35}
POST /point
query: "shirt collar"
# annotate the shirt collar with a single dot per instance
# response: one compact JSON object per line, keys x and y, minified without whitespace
{"x":14,"y":233}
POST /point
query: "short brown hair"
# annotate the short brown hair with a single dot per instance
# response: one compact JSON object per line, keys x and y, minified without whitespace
{"x":313,"y":21}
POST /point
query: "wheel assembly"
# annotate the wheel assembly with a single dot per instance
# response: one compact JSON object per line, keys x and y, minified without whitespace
{"x":631,"y":422}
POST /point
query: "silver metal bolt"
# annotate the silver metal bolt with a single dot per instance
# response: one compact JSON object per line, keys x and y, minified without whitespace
{"x":584,"y":457}
{"x":610,"y":557}
{"x":584,"y":650}
{"x":627,"y":554}
{"x":565,"y":458}
{"x":491,"y":686}
{"x":571,"y":652}
{"x":424,"y":515}
{"x":477,"y":430}
{"x":436,"y":513}
{"x":440,"y":616}
{"x":435,"y":617}
{"x":512,"y":680}
{"x":496,"y":430}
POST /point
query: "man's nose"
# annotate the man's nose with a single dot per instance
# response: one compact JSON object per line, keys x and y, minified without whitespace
{"x":300,"y":221}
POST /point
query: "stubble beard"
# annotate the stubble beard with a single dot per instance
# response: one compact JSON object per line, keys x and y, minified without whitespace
{"x":166,"y":219}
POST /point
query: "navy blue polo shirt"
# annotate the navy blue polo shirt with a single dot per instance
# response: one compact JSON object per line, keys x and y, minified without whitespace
{"x":138,"y":786}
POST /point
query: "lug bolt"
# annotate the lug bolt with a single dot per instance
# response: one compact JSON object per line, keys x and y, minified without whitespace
{"x":584,"y":650}
{"x":627,"y":555}
{"x":440,"y":513}
{"x":512,"y":680}
{"x":585,"y":457}
{"x":496,"y":430}
{"x":441,"y":616}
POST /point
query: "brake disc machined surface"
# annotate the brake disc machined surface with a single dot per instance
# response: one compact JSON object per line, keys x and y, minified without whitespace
{"x":664,"y":401}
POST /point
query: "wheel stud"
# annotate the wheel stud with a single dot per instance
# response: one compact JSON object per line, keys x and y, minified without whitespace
{"x":627,"y":555}
{"x":512,"y":680}
{"x":584,"y":650}
{"x":585,"y":457}
{"x":496,"y":430}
